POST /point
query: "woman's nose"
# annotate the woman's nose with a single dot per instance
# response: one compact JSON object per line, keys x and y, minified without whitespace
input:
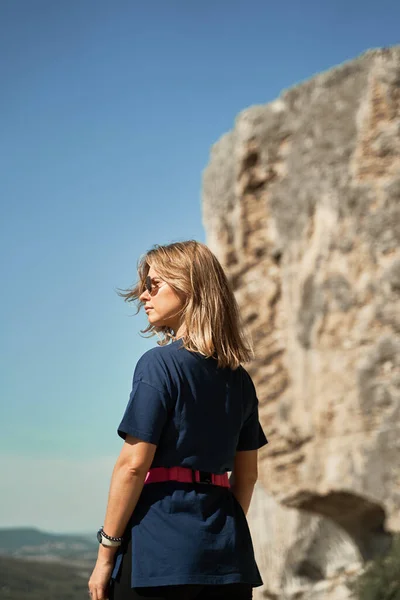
{"x":144,"y":296}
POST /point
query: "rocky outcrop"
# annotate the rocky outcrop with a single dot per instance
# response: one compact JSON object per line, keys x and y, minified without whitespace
{"x":302,"y":206}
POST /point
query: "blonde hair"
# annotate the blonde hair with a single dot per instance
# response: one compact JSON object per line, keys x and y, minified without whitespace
{"x":210,"y":314}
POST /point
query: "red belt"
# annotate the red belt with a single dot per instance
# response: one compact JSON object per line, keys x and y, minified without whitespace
{"x":185,"y":475}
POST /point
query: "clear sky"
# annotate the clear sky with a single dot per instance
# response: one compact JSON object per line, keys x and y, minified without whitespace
{"x":107,"y":114}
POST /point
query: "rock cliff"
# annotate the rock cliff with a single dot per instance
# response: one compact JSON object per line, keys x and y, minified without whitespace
{"x":301,"y":203}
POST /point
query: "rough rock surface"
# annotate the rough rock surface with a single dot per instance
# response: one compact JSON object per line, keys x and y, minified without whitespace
{"x":301,"y":203}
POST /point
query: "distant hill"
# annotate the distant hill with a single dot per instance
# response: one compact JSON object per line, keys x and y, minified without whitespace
{"x":35,"y":544}
{"x":28,"y":580}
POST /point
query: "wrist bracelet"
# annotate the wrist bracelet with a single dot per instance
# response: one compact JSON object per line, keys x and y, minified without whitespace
{"x":102,"y":533}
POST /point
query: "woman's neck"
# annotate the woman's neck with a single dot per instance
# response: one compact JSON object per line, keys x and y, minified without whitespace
{"x":179,"y":332}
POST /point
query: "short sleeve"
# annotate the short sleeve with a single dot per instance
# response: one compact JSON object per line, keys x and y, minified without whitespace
{"x":251,"y":435}
{"x":145,"y":415}
{"x":149,"y":403}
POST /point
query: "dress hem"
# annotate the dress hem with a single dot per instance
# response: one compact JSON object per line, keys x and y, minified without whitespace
{"x":201,"y":580}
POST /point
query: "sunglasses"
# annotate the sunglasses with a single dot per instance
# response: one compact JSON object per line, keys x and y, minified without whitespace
{"x":150,"y":286}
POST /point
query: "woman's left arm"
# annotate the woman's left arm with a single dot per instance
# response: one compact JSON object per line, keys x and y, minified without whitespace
{"x":126,"y":486}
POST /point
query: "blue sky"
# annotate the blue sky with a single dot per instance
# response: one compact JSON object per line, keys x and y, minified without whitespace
{"x":107,"y":114}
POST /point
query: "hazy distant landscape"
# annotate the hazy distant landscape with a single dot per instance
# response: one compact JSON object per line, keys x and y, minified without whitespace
{"x":35,"y":564}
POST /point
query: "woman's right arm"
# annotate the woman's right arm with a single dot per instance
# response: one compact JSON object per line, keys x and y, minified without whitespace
{"x":244,"y":477}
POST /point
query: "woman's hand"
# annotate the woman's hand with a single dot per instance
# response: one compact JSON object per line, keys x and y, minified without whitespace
{"x":100,"y":579}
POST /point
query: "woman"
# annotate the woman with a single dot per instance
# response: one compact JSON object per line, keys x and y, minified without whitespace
{"x":175,"y":526}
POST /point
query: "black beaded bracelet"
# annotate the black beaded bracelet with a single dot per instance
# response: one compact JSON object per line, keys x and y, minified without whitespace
{"x":109,"y":537}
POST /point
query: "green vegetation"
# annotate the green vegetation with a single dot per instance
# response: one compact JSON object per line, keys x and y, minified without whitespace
{"x":30,"y":580}
{"x":381,"y":579}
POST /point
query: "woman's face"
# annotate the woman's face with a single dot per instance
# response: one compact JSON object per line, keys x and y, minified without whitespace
{"x":163,"y":305}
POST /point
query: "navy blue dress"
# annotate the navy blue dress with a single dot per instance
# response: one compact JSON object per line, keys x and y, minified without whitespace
{"x":198,"y":415}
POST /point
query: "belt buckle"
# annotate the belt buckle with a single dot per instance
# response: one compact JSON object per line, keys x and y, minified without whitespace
{"x":205,"y":477}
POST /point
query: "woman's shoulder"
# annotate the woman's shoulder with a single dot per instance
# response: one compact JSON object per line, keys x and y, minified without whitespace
{"x":155,"y":362}
{"x":175,"y":354}
{"x":158,"y":353}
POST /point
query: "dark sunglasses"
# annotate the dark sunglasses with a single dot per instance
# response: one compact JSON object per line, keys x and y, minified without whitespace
{"x":150,"y":286}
